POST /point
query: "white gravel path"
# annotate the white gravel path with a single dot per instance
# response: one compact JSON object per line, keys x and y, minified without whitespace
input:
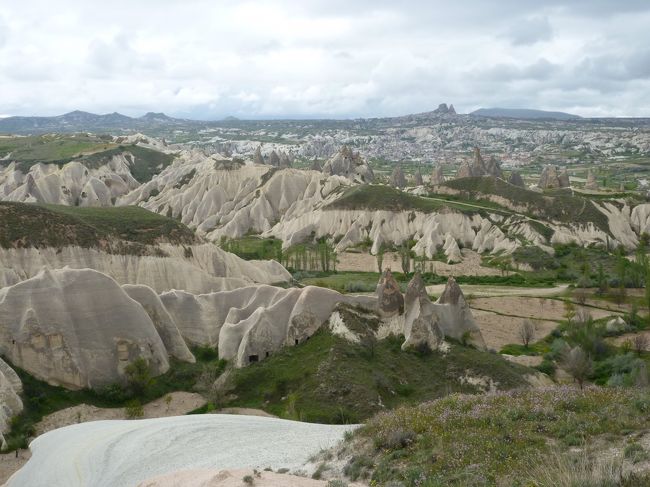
{"x":124,"y":453}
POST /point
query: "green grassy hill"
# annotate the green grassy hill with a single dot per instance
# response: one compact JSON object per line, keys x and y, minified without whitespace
{"x":118,"y":229}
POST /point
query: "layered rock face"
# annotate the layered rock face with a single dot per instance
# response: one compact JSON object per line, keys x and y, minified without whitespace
{"x":72,"y":184}
{"x":551,"y":178}
{"x":196,"y":268}
{"x":350,"y":165}
{"x":418,"y":177}
{"x":78,"y":328}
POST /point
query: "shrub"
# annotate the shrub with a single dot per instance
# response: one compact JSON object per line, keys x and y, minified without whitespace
{"x":578,"y":364}
{"x":336,"y":483}
{"x":358,"y":467}
{"x":546,"y":367}
{"x":138,"y":376}
{"x":635,"y":453}
{"x":399,"y":439}
{"x":134,"y":410}
{"x":575,"y":470}
{"x":248,"y":479}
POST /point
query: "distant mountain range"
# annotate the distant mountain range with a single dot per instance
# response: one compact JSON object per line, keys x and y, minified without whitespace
{"x":79,"y":121}
{"x":523,"y":113}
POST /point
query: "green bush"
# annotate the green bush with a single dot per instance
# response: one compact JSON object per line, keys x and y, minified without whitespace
{"x":134,"y":410}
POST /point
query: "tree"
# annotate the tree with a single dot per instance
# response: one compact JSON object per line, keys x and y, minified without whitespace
{"x":569,"y":311}
{"x":621,"y":274}
{"x":577,"y":364}
{"x":640,"y":343}
{"x":138,"y":376}
{"x":601,"y":279}
{"x":647,"y":287}
{"x":527,"y":332}
{"x":380,"y":258}
{"x":405,"y":255}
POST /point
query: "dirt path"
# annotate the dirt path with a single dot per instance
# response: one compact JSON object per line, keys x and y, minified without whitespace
{"x":484,"y":290}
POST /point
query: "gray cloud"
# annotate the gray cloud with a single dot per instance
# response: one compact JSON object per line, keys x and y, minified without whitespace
{"x":324,"y":57}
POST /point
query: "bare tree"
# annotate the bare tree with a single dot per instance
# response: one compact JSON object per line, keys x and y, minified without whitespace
{"x":640,"y":343}
{"x":578,"y":364}
{"x":527,"y":332}
{"x":583,"y":316}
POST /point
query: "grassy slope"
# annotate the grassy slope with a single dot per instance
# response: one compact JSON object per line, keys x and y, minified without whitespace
{"x":559,"y":206}
{"x":90,"y":150}
{"x":379,"y":197}
{"x":28,"y":225}
{"x":327,"y":379}
{"x":479,"y":440}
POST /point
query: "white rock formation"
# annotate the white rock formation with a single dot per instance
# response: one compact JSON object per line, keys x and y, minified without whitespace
{"x":250,"y":323}
{"x":420,"y":320}
{"x":71,"y":184}
{"x":10,"y":402}
{"x":197,"y":268}
{"x":125,"y":453}
{"x":78,"y":328}
{"x":455,"y":316}
{"x":349,"y":164}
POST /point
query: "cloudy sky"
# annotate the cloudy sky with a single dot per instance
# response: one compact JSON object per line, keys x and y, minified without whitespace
{"x":331,"y":58}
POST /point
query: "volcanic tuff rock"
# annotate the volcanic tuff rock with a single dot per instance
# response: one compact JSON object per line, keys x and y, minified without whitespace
{"x":249,"y":324}
{"x":349,"y":164}
{"x":420,"y":321}
{"x":257,"y":156}
{"x":516,"y":180}
{"x":79,"y":328}
{"x":73,"y":184}
{"x":397,"y":178}
{"x":455,"y":316}
{"x":437,"y":176}
{"x":390,"y":299}
{"x":464,"y":170}
{"x":195,"y":268}
{"x":10,"y":403}
{"x":479,"y":167}
{"x":551,"y":179}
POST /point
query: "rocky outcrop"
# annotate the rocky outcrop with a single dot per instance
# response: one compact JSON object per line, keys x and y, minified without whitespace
{"x":478,"y":167}
{"x":10,"y":402}
{"x":397,"y":178}
{"x":73,"y":184}
{"x":464,"y":170}
{"x":350,"y":165}
{"x":257,"y":156}
{"x":390,"y":301}
{"x":195,"y":268}
{"x":251,"y":323}
{"x":420,"y":318}
{"x":552,"y":179}
{"x":437,"y":176}
{"x":455,"y":316}
{"x":516,"y":180}
{"x":418,"y":177}
{"x":274,"y":159}
{"x":591,"y":184}
{"x":452,"y":250}
{"x":78,"y":328}
{"x":316,"y":166}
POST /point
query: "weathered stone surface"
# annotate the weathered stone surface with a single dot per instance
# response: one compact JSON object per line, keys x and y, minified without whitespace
{"x":274,"y":159}
{"x":516,"y":180}
{"x":397,"y":178}
{"x":390,"y":299}
{"x":10,"y":402}
{"x":257,"y":156}
{"x":437,"y":176}
{"x":316,"y":166}
{"x":552,"y":179}
{"x":464,"y":170}
{"x":350,"y":165}
{"x":420,"y":320}
{"x":455,"y":316}
{"x":77,"y":328}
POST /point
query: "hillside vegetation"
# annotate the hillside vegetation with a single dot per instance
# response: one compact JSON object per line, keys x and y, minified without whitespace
{"x":118,"y":229}
{"x":501,"y":439}
{"x":559,"y":206}
{"x":330,"y":380}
